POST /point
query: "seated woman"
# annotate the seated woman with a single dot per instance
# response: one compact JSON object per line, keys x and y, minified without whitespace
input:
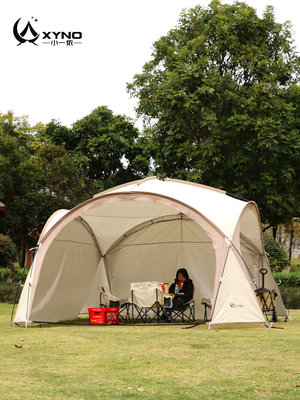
{"x":183,"y":289}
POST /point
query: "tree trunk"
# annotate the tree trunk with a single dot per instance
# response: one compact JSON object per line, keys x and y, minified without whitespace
{"x":291,"y":243}
{"x":274,"y":229}
{"x":280,"y":234}
{"x":13,"y":272}
{"x":22,"y":254}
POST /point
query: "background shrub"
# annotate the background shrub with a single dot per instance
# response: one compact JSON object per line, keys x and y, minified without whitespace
{"x":290,"y":296}
{"x":8,"y":253}
{"x":294,"y":267}
{"x":8,"y":292}
{"x":277,"y":256}
{"x":20,"y":275}
{"x":291,"y":279}
{"x":4,"y":274}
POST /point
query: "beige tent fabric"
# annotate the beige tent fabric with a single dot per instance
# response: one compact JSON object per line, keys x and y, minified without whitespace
{"x":160,"y":249}
{"x":93,"y":300}
{"x":68,"y":271}
{"x":236,"y":301}
{"x":143,"y":231}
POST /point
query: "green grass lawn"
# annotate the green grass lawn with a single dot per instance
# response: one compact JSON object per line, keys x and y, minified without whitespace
{"x":149,"y":362}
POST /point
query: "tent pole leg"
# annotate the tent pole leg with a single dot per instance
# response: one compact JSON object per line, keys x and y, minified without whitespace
{"x":13,"y":309}
{"x":27,"y":305}
{"x":209,"y":325}
{"x":132,"y":311}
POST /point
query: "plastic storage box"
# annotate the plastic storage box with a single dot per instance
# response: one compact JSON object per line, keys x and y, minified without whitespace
{"x":104,"y":316}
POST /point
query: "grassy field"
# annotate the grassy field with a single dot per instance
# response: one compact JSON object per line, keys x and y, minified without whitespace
{"x":149,"y":362}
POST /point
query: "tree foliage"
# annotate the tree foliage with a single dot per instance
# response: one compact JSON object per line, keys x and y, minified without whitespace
{"x":220,"y":102}
{"x":104,"y":146}
{"x":8,"y":252}
{"x":35,"y":180}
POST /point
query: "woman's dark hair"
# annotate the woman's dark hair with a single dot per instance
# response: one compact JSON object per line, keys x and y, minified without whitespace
{"x":184,"y":272}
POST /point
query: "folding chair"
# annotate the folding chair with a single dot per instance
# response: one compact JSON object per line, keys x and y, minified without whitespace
{"x":186,"y":313}
{"x":147,"y":300}
{"x":109,"y":300}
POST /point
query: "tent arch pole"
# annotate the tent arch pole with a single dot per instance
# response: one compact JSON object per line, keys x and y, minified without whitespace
{"x":143,"y":225}
{"x":91,"y":232}
{"x":248,"y":269}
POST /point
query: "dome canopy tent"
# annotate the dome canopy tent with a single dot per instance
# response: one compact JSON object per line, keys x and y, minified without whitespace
{"x":144,"y":230}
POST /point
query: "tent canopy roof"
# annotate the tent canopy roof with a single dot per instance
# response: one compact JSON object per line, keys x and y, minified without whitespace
{"x":221,"y":210}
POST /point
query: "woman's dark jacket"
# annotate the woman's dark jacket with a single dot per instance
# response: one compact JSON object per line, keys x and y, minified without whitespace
{"x":187,"y":290}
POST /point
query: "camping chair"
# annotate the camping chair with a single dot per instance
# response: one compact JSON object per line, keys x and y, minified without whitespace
{"x":186,"y":313}
{"x":109,"y":300}
{"x":147,"y":300}
{"x":206,"y":302}
{"x":266,"y":298}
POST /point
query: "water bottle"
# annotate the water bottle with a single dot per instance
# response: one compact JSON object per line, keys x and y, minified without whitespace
{"x":176,"y":289}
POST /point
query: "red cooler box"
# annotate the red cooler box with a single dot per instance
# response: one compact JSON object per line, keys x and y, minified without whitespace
{"x":112,"y":316}
{"x":97,"y":316}
{"x":104,"y":316}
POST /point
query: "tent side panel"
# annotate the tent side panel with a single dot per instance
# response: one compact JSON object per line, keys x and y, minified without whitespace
{"x":61,"y":284}
{"x":236,"y":300}
{"x":65,"y":279}
{"x":252,"y":248}
{"x":20,"y":316}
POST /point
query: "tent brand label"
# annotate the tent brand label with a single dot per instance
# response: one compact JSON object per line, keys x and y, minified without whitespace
{"x":26,"y":32}
{"x":234,"y":305}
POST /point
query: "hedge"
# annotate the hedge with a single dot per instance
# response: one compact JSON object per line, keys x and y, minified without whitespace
{"x":20,"y":276}
{"x":291,"y":279}
{"x":294,"y":267}
{"x":290,"y":296}
{"x":8,"y":292}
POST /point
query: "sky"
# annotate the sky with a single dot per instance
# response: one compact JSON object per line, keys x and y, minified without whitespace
{"x":67,"y":82}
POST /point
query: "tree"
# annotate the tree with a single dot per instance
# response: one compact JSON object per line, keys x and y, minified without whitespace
{"x":35,"y":180}
{"x":104,"y":147}
{"x":292,"y":233}
{"x":220,"y":103}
